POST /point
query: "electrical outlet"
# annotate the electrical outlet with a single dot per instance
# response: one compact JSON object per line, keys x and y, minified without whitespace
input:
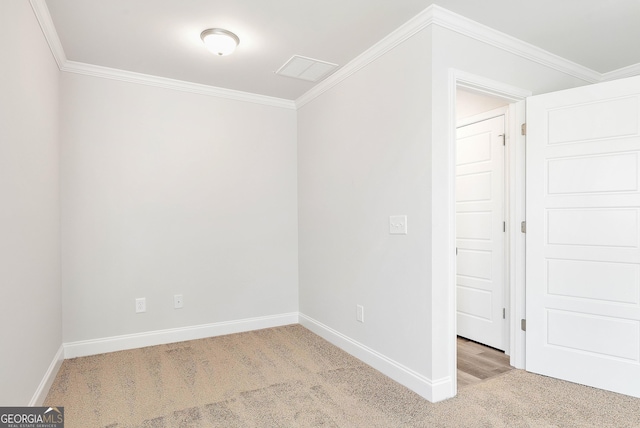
{"x":177,"y":301}
{"x":141,"y":305}
{"x":398,"y":224}
{"x":359,"y":313}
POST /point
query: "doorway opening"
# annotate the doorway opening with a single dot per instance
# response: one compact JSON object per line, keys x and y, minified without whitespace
{"x":475,"y":100}
{"x":482,"y":268}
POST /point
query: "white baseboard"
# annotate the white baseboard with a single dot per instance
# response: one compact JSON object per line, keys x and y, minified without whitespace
{"x":47,"y":380}
{"x":433,"y":391}
{"x":160,"y":337}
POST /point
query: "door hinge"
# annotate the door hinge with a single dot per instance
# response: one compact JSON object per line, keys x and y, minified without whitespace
{"x":523,"y":227}
{"x":523,"y":129}
{"x":523,"y":325}
{"x":504,"y":226}
{"x":504,"y":313}
{"x":504,"y":139}
{"x":456,"y":251}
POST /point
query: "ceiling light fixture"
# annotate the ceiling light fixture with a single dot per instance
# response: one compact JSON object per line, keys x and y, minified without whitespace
{"x":219,"y":41}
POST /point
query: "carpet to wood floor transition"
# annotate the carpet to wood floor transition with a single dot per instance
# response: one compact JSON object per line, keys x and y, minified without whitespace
{"x":290,"y":377}
{"x":477,"y":362}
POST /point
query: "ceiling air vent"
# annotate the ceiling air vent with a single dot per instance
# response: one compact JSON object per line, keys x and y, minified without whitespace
{"x":304,"y":68}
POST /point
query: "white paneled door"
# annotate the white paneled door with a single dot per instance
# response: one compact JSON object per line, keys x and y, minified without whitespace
{"x":583,"y":235}
{"x":480,"y":231}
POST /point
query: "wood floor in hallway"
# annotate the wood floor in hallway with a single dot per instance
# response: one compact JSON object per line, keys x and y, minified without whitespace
{"x":477,"y":362}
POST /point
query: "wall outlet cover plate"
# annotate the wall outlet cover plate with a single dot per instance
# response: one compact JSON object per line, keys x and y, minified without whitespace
{"x":398,"y":225}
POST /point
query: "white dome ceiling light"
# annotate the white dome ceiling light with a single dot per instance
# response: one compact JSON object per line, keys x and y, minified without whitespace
{"x":219,"y":42}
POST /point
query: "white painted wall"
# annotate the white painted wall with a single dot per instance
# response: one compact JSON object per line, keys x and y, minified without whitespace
{"x":363,"y":155}
{"x":375,"y":145}
{"x":166,"y":192}
{"x":30,"y":319}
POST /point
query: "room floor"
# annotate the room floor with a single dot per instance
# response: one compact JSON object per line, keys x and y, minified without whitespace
{"x":477,"y":362}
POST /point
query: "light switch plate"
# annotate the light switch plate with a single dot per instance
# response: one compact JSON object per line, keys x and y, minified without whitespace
{"x":398,"y":224}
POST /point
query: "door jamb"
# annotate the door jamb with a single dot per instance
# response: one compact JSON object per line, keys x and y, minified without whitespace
{"x":516,"y":182}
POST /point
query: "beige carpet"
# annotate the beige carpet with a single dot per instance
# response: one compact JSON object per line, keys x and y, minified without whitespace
{"x":289,"y":377}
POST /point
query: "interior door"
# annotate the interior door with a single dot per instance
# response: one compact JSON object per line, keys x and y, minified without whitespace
{"x":480,"y":231}
{"x":583,"y":235}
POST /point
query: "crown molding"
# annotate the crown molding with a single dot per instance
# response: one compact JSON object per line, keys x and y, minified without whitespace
{"x":452,"y":21}
{"x":432,"y":15}
{"x":43,"y":16}
{"x":467,"y":27}
{"x":630,"y":71}
{"x":404,"y":32}
{"x":179,"y":85}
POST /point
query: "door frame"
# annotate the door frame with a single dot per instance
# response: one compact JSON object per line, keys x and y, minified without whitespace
{"x":515,"y":183}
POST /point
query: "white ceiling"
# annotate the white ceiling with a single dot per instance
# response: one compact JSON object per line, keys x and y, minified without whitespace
{"x":162,"y":37}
